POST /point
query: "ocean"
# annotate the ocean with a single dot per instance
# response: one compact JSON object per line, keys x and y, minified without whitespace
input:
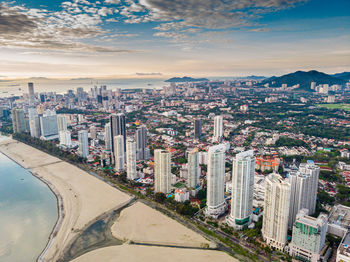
{"x":28,"y":213}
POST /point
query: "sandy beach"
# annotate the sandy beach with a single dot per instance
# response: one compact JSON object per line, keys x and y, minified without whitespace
{"x":135,"y":253}
{"x":143,"y":224}
{"x":83,"y":196}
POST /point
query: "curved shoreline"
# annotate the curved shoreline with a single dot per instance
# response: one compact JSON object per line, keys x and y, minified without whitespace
{"x":60,"y":208}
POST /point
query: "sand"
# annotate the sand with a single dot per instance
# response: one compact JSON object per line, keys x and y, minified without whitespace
{"x":143,"y":224}
{"x":81,"y":196}
{"x":136,"y":253}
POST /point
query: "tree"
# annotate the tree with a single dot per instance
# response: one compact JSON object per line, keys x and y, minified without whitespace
{"x":160,"y":197}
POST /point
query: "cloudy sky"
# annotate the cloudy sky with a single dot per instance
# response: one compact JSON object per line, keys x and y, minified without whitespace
{"x":158,"y":38}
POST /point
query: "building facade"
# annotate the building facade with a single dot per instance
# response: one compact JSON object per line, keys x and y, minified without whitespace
{"x":243,"y":171}
{"x":162,"y":171}
{"x":276,"y":211}
{"x":131,"y":159}
{"x":216,"y":204}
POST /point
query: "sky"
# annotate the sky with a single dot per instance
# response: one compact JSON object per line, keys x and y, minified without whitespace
{"x":161,"y":38}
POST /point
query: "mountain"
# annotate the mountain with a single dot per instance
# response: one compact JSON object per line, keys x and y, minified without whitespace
{"x":304,"y":79}
{"x":253,"y":77}
{"x":185,"y":79}
{"x":345,"y":76}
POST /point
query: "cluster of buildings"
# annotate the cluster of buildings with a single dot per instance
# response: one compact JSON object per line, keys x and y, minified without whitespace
{"x":286,"y":202}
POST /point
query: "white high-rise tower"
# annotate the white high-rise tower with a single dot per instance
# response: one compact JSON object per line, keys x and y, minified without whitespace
{"x":304,"y":185}
{"x":216,"y":181}
{"x":83,"y":143}
{"x":276,"y":211}
{"x":34,"y":122}
{"x":119,"y":152}
{"x":218,"y":128}
{"x":131,"y":159}
{"x":242,"y":190}
{"x":194,"y":169}
{"x":108,"y":137}
{"x":162,"y":171}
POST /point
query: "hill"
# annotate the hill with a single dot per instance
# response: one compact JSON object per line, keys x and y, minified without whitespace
{"x":345,"y":76}
{"x":185,"y":79}
{"x":304,"y":79}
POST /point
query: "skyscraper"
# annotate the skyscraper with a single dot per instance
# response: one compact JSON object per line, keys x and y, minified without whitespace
{"x":216,"y":181}
{"x":243,"y":171}
{"x":193,"y":169}
{"x":197,"y":128}
{"x":304,"y":185}
{"x":61,"y":123}
{"x":119,"y":153}
{"x":309,"y":236}
{"x":117,"y":122}
{"x":83,"y":143}
{"x":48,"y":125}
{"x":141,"y":143}
{"x":34,"y":122}
{"x":31,"y":93}
{"x":131,"y":159}
{"x":162,"y":171}
{"x":108,"y":137}
{"x":65,"y":138}
{"x":18,"y":120}
{"x":276,"y":211}
{"x":218,"y":128}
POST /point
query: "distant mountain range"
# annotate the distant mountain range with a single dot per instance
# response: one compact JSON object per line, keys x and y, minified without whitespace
{"x":185,"y":79}
{"x":304,"y":79}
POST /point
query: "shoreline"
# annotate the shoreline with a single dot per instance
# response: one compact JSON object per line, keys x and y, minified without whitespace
{"x":59,"y":202}
{"x":80,"y":197}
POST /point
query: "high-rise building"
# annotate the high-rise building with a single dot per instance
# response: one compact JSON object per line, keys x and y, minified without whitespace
{"x":216,"y":204}
{"x":34,"y":122}
{"x":117,"y":122}
{"x":65,"y":138}
{"x":131,"y":159}
{"x":48,"y":125}
{"x":83,"y":143}
{"x":304,"y":185}
{"x":243,"y":170}
{"x":309,"y":236}
{"x":141,"y":143}
{"x":197,"y":128}
{"x":162,"y":171}
{"x":218,"y":128}
{"x":31,"y":93}
{"x":93,"y":132}
{"x":61,"y":123}
{"x":119,"y":153}
{"x":193,"y":168}
{"x":18,"y":120}
{"x":276,"y":211}
{"x":108,"y":137}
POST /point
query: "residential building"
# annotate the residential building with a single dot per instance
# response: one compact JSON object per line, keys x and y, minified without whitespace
{"x":218,"y":128}
{"x":18,"y":120}
{"x":48,"y":125}
{"x":243,"y":170}
{"x":197,"y":128}
{"x":117,"y":122}
{"x":142,"y":151}
{"x":119,"y":153}
{"x":65,"y":138}
{"x":193,"y":169}
{"x":34,"y":122}
{"x":309,"y":236}
{"x":276,"y":211}
{"x":182,"y":195}
{"x":61,"y":123}
{"x":131,"y":159}
{"x":304,"y":185}
{"x":83,"y":143}
{"x":162,"y":171}
{"x":216,"y":204}
{"x":108,"y":137}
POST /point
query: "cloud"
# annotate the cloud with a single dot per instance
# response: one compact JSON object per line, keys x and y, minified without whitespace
{"x":261,"y":29}
{"x":22,"y":27}
{"x":192,"y":16}
{"x":149,"y":74}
